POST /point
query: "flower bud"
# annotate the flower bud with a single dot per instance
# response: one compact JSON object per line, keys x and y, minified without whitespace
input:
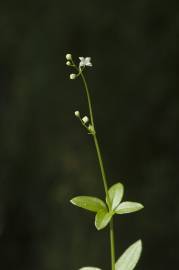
{"x":68,"y":56}
{"x":72,"y":76}
{"x":68,"y":63}
{"x":85,"y":119}
{"x":77,"y":113}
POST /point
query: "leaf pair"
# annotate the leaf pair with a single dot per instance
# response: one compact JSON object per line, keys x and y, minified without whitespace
{"x":94,"y":204}
{"x":105,"y":211}
{"x":128,"y":259}
{"x":116,"y":193}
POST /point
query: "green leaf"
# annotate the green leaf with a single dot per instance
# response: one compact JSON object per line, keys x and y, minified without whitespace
{"x":115,"y":195}
{"x":128,"y":207}
{"x":102,"y":219}
{"x":130,"y":257}
{"x":89,"y":268}
{"x":89,"y":203}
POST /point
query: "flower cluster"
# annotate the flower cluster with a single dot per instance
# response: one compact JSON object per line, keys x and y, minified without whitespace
{"x":85,"y":122}
{"x":84,"y":61}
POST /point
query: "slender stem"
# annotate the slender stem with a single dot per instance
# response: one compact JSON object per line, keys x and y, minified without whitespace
{"x":112,"y":243}
{"x":95,"y":139}
{"x":89,"y":99}
{"x":101,"y":166}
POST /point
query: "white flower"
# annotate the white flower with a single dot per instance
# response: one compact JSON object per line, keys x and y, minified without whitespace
{"x":68,"y":63}
{"x":77,"y":113}
{"x":72,"y":76}
{"x":68,"y":56}
{"x":85,"y":61}
{"x":85,"y":119}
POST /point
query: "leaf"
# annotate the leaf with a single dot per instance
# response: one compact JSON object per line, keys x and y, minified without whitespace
{"x":128,"y":207}
{"x":130,"y":257}
{"x":115,"y":195}
{"x":89,"y":268}
{"x":89,"y":203}
{"x":102,"y":219}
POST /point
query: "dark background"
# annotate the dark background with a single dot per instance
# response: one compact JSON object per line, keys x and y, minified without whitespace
{"x":47,"y":158}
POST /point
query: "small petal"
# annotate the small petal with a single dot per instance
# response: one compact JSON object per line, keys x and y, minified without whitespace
{"x":81,"y":64}
{"x":89,"y":64}
{"x":88,"y":59}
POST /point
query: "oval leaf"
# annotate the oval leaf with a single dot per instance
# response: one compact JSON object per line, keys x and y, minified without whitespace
{"x":89,"y":203}
{"x":130,"y":257}
{"x":115,"y":195}
{"x":89,"y":268}
{"x":102,"y":219}
{"x":128,"y":207}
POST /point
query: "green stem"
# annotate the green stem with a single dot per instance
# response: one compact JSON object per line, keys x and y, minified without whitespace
{"x":112,"y":244}
{"x":101,"y":166}
{"x":88,"y":98}
{"x":95,"y":138}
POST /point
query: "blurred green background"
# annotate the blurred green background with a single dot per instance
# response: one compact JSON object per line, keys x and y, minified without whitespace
{"x":47,"y":158}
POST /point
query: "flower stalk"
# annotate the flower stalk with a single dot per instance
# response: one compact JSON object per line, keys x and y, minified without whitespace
{"x":98,"y":151}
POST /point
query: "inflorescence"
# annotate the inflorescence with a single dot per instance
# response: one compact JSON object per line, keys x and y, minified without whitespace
{"x":84,"y":61}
